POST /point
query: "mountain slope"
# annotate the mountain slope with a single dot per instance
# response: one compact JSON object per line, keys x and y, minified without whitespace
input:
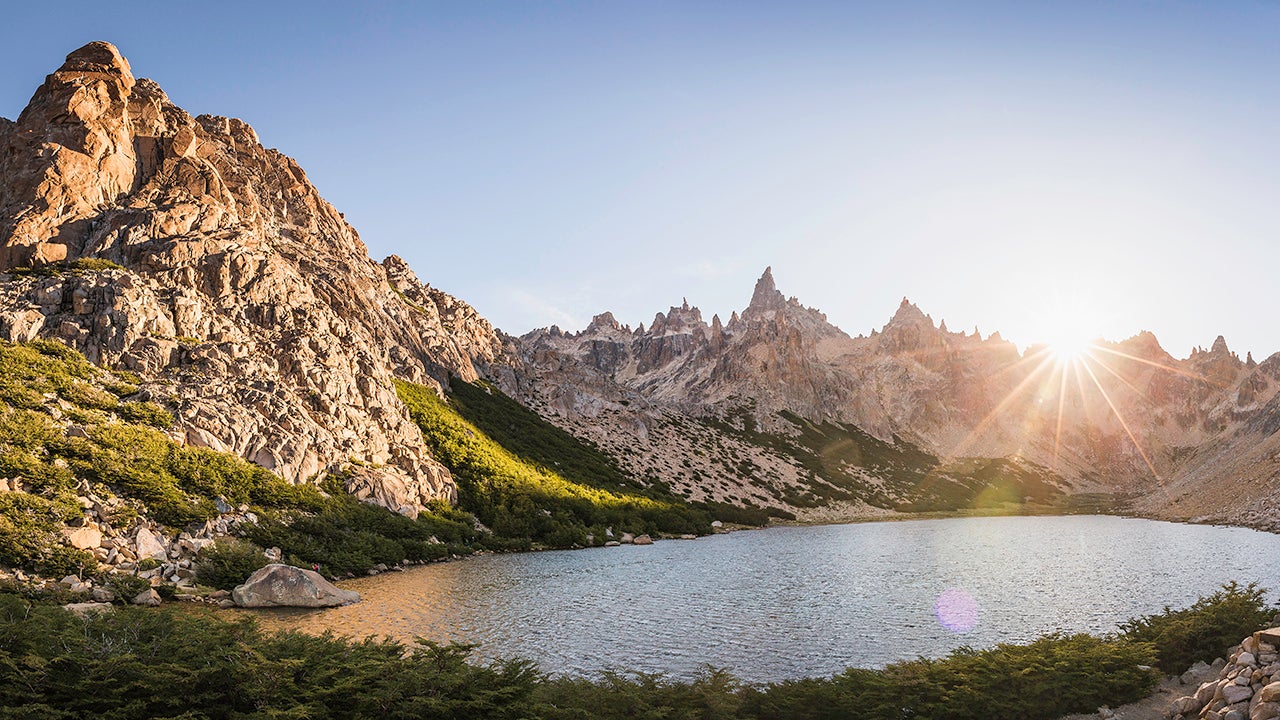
{"x":224,"y":280}
{"x":779,"y":406}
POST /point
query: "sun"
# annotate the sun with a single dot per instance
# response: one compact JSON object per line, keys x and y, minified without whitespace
{"x":1067,"y":335}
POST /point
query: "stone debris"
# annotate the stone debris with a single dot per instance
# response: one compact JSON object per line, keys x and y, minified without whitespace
{"x":1246,"y":688}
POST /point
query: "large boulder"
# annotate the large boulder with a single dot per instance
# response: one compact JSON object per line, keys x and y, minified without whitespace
{"x":287,"y":586}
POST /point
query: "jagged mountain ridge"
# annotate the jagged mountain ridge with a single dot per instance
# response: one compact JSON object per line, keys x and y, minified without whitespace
{"x":915,"y":383}
{"x":224,"y":280}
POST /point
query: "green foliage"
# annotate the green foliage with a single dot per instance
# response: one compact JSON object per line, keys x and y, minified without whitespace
{"x":347,"y":536}
{"x":526,"y":435}
{"x":836,"y":456}
{"x":75,"y":267}
{"x":1205,"y":630}
{"x":126,"y":587}
{"x":1048,"y":678}
{"x":522,"y":499}
{"x":712,"y":695}
{"x":137,"y":663}
{"x":118,"y":445}
{"x":146,"y":413}
{"x":29,"y":530}
{"x":228,"y":563}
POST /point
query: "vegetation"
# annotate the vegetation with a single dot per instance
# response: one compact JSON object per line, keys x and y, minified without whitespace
{"x":75,"y":267}
{"x":347,"y":536}
{"x":1206,"y":629}
{"x":838,"y":455}
{"x":228,"y":563}
{"x":510,"y":487}
{"x":65,"y":422}
{"x":127,"y":664}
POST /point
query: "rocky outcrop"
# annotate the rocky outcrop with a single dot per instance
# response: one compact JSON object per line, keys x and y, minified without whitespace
{"x":287,"y":586}
{"x":1248,"y":688}
{"x":182,"y":249}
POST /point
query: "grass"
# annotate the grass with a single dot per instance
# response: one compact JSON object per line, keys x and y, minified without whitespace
{"x":65,"y":422}
{"x":513,"y":490}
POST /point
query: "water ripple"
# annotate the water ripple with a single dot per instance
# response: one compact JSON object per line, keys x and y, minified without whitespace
{"x":803,"y":601}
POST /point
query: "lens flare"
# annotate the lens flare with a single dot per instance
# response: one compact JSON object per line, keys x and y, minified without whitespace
{"x":956,"y":610}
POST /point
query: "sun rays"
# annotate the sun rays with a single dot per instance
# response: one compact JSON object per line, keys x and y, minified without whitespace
{"x":1070,"y":383}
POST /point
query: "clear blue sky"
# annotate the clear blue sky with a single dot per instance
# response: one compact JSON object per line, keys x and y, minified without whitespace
{"x":1000,"y":163}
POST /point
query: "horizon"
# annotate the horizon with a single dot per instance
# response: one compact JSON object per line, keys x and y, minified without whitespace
{"x":1006,"y":167}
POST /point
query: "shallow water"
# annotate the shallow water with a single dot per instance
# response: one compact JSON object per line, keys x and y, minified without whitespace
{"x":793,"y":602}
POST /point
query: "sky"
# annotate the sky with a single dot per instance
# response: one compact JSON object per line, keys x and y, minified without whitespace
{"x":1042,"y":169}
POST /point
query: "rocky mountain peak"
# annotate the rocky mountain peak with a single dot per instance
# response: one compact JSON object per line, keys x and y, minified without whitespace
{"x":98,"y":57}
{"x":604,"y":322}
{"x":219,"y":274}
{"x":765,"y":298}
{"x":908,"y":314}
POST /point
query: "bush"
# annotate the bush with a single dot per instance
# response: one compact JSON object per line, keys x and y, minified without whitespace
{"x":1205,"y":630}
{"x":140,"y":663}
{"x":228,"y":563}
{"x":126,"y":587}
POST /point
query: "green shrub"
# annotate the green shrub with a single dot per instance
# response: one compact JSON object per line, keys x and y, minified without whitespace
{"x":158,"y":663}
{"x":125,"y":586}
{"x":1205,"y":630}
{"x":228,"y":563}
{"x":146,"y":413}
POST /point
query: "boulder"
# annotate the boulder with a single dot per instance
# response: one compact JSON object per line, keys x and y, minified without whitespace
{"x":1270,"y":693}
{"x":85,"y":608}
{"x":280,"y":585}
{"x":643,"y":540}
{"x":148,"y":597}
{"x":83,"y":538}
{"x":149,"y":546}
{"x":1232,"y":693}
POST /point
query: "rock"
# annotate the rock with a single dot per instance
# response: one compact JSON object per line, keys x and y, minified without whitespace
{"x":273,"y":554}
{"x":627,"y":538}
{"x":717,"y":524}
{"x":1270,"y":693}
{"x":232,"y":263}
{"x":1206,"y":692}
{"x":1270,"y":636}
{"x":226,"y":604}
{"x":1232,"y":693}
{"x":279,"y":585}
{"x":1186,"y":705}
{"x":1106,"y":713}
{"x":102,"y":595}
{"x":1265,"y":711}
{"x":1247,"y":658}
{"x":643,"y":540}
{"x":149,"y":546}
{"x":1195,"y":672}
{"x":83,"y":538}
{"x":612,"y":543}
{"x":85,"y":608}
{"x":148,"y":597}
{"x":688,"y":536}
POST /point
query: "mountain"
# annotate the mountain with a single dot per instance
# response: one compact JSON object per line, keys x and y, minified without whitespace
{"x":779,"y":407}
{"x":181,"y":249}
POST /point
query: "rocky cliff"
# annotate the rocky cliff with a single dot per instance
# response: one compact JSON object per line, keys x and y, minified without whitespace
{"x":182,"y":249}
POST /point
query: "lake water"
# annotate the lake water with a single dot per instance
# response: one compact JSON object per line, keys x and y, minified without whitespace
{"x":792,"y":602}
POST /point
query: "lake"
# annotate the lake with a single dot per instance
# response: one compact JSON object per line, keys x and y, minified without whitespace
{"x":792,"y":602}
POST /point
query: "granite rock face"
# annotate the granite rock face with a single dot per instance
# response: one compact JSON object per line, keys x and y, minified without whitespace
{"x":182,"y":249}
